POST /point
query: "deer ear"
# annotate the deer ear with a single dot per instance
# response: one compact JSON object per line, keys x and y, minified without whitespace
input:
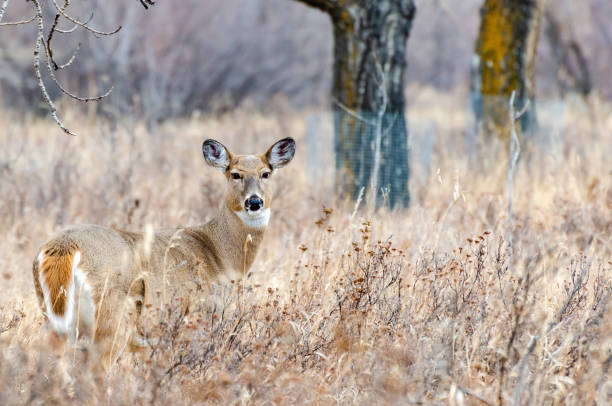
{"x":216,"y":154}
{"x":281,"y":153}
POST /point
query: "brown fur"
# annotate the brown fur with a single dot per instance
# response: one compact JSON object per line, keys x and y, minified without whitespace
{"x":56,"y":272}
{"x":250,"y":167}
{"x":128,"y":272}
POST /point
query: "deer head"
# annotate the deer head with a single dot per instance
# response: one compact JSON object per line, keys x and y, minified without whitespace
{"x":249,"y":178}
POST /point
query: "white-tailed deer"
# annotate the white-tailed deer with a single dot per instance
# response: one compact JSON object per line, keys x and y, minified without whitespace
{"x":93,"y":281}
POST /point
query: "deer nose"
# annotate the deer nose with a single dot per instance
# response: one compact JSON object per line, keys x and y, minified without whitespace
{"x":253,"y":203}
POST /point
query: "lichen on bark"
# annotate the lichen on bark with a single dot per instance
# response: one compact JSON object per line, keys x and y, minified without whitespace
{"x":504,"y":62}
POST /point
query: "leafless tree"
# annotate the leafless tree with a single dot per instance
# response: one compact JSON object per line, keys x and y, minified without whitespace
{"x":370,"y":39}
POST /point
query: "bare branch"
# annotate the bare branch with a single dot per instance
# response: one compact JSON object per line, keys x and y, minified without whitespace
{"x":74,"y":27}
{"x":52,"y":65}
{"x":3,"y":9}
{"x":40,"y":40}
{"x":45,"y":44}
{"x":72,"y":58}
{"x":50,"y":36}
{"x":352,"y":113}
{"x":85,"y":25}
{"x":66,"y":92}
{"x":68,"y":31}
{"x":147,"y":3}
{"x":54,"y":30}
{"x":27,"y":21}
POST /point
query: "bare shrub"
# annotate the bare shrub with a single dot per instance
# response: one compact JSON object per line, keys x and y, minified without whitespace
{"x":426,"y":305}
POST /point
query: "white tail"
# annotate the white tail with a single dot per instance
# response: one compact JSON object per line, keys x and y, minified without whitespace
{"x":86,"y":275}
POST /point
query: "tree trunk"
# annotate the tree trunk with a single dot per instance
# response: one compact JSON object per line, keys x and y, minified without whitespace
{"x":571,"y":66}
{"x":504,"y":61}
{"x":371,"y":141}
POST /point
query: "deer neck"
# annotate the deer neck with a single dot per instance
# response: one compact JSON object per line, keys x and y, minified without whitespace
{"x":237,"y":237}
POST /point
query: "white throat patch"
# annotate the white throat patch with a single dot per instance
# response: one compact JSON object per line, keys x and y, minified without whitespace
{"x":258,"y":219}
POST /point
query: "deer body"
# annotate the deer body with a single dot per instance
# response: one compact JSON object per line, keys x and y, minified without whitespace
{"x":94,"y":281}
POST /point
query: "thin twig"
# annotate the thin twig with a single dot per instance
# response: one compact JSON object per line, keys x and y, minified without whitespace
{"x":378,"y":134}
{"x":40,"y":41}
{"x":72,"y":58}
{"x":50,"y":37}
{"x":64,"y":90}
{"x":52,"y":65}
{"x":521,"y":381}
{"x":12,"y":323}
{"x":515,"y":150}
{"x":21,"y":22}
{"x":577,"y":284}
{"x":474,"y":395}
{"x":147,"y":3}
{"x":357,"y":203}
{"x":351,"y":112}
{"x":519,"y":309}
{"x":83,"y":24}
{"x":74,"y":27}
{"x":68,"y":31}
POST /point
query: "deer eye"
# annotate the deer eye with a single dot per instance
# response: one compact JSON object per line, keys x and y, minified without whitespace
{"x":236,"y":175}
{"x":265,"y":175}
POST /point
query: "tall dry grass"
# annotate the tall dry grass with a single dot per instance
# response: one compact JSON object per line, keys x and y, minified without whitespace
{"x":423,"y":306}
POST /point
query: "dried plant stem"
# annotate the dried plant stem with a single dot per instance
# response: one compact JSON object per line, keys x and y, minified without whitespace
{"x":515,"y":150}
{"x":378,"y":137}
{"x":245,"y":250}
{"x":473,"y":394}
{"x":577,"y":285}
{"x":357,"y":203}
{"x":352,"y":113}
{"x":519,"y":310}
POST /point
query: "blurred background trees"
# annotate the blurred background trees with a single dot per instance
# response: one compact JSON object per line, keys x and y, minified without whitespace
{"x":371,"y":141}
{"x":504,"y":61}
{"x":210,"y":56}
{"x":206,"y":56}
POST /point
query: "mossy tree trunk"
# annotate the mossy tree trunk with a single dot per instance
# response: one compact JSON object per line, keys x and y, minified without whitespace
{"x":504,"y":62}
{"x":371,"y":141}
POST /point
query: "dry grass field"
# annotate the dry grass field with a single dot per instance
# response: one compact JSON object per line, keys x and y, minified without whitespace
{"x":424,"y":306}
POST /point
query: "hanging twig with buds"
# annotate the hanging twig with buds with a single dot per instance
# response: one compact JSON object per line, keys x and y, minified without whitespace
{"x":44,"y":42}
